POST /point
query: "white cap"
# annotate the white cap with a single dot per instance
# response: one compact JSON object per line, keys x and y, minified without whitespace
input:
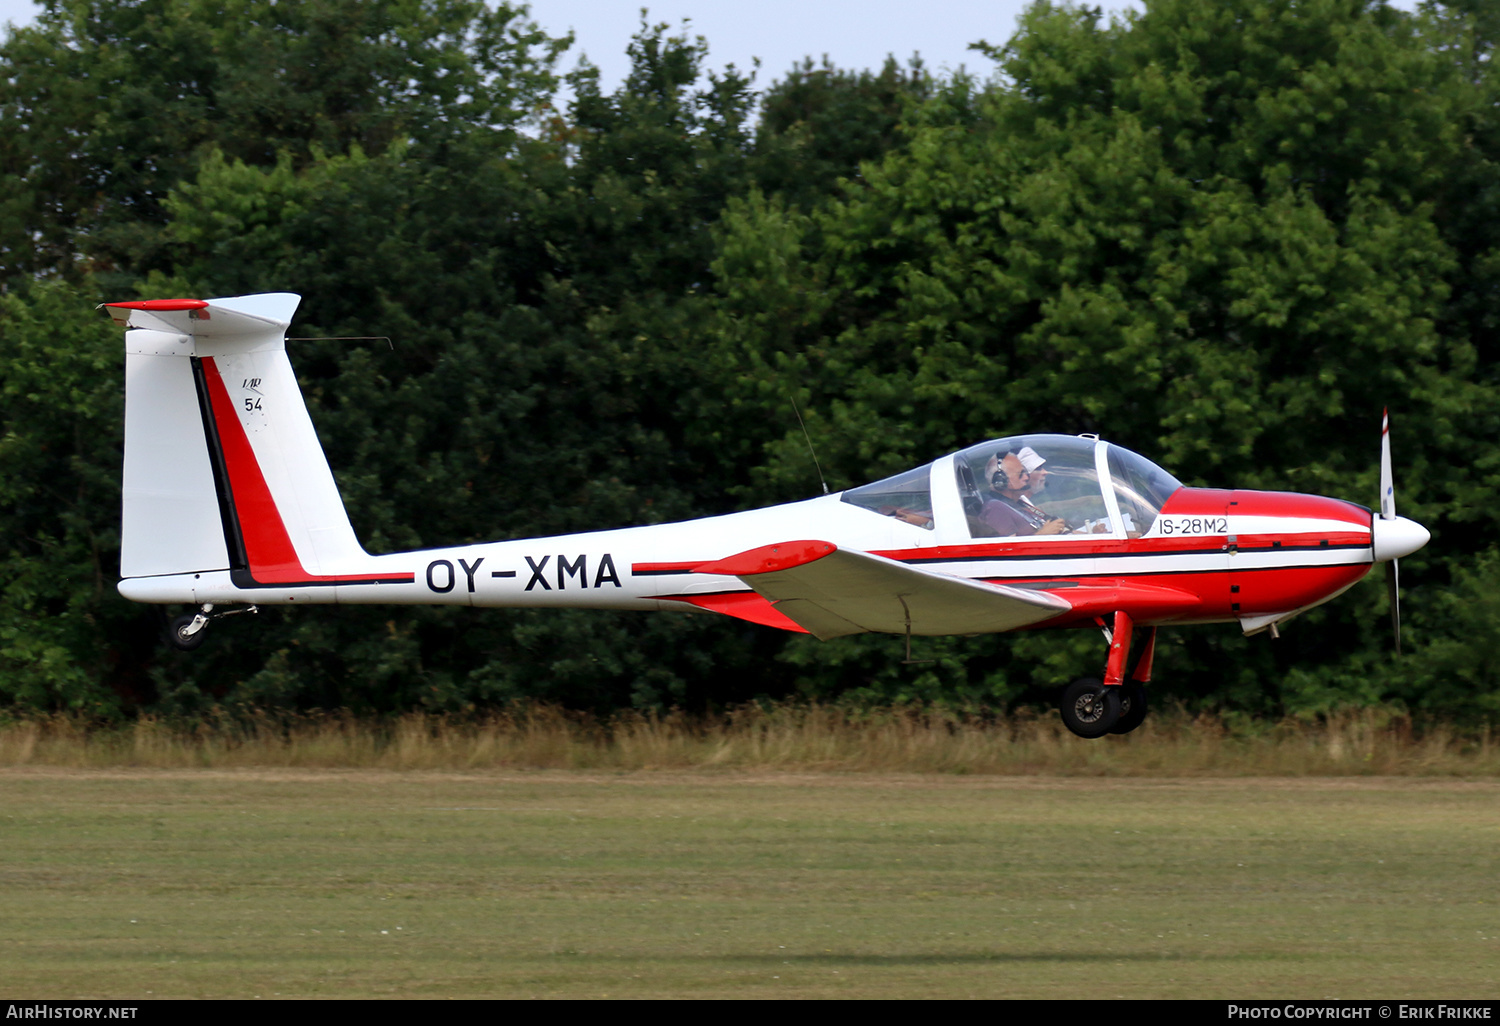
{"x":1029,"y":459}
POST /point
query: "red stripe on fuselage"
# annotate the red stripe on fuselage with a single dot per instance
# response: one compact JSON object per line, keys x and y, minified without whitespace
{"x":649,"y":569}
{"x":268,"y":548}
{"x":1112,"y":546}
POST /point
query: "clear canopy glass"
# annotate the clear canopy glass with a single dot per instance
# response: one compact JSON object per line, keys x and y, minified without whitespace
{"x":1032,"y":485}
{"x":1029,"y":486}
{"x":1141,"y":489}
{"x":906,"y":497}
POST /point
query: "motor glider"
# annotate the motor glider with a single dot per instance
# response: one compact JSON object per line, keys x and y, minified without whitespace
{"x":229,"y":504}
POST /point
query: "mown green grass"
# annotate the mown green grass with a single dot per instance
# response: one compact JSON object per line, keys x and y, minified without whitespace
{"x":278,"y":883}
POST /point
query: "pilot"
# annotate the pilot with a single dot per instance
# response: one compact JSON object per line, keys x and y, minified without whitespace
{"x":1008,"y":512}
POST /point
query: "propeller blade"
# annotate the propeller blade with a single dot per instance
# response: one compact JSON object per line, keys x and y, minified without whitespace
{"x":1387,"y":485}
{"x":1393,"y":590}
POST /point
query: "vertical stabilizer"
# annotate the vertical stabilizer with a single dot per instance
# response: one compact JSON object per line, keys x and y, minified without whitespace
{"x":223,"y":469}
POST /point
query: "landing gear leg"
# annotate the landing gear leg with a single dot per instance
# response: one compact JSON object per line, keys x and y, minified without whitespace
{"x":1141,"y":671}
{"x":1119,"y":648}
{"x":1133,"y":691}
{"x":190,"y":631}
{"x":1117,"y":705}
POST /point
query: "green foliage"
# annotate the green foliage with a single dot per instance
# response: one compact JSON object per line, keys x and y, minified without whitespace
{"x":106,"y":106}
{"x":1455,"y":672}
{"x":67,"y":640}
{"x":819,"y":123}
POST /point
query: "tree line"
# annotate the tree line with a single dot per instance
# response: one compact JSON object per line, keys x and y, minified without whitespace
{"x":1224,"y":236}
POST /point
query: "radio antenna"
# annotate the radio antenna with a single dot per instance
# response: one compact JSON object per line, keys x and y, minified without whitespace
{"x":349,"y":338}
{"x":818,"y":466}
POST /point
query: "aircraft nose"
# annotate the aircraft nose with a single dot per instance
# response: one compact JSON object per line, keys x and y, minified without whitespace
{"x":1397,"y":537}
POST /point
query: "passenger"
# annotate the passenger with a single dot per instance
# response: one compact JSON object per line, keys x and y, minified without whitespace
{"x":1036,"y":477}
{"x":1036,"y":481}
{"x":1007,"y":512}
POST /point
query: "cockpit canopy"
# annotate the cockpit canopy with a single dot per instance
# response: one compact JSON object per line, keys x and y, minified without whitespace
{"x":1027,"y":486}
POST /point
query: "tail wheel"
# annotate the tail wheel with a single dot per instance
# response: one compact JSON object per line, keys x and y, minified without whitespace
{"x":1089,"y":709}
{"x":1132,"y":707}
{"x":180,"y":636}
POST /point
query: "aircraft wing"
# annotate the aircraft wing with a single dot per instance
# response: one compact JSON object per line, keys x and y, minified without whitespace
{"x":832,"y":592}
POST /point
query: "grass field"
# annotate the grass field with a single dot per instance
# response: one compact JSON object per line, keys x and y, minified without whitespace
{"x":326,"y":883}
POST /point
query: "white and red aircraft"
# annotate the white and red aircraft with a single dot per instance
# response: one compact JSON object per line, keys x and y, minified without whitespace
{"x":229,"y":501}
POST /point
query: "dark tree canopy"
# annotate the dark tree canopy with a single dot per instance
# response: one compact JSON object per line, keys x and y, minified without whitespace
{"x":105,"y":106}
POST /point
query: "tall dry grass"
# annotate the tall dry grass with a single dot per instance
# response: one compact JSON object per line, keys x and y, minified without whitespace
{"x":786,"y":738}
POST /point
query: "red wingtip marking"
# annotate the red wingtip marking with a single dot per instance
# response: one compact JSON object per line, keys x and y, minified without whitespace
{"x":162,"y":304}
{"x":769,"y":558}
{"x":744,"y":605}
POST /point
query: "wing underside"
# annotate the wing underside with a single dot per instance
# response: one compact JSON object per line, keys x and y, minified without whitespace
{"x":833,"y":592}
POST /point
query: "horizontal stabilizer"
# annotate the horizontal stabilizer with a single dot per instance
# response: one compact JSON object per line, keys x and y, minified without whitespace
{"x":832,"y":592}
{"x":236,"y":317}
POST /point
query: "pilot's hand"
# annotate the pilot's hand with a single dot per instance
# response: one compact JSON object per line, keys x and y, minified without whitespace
{"x":1053,"y":527}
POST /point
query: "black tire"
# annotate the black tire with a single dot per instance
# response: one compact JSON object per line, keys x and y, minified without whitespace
{"x":1132,"y":707}
{"x":1089,"y":709}
{"x":185,"y":642}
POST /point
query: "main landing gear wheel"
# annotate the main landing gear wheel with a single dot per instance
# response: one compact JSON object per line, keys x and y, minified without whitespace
{"x":1132,"y":707}
{"x":1089,"y":708}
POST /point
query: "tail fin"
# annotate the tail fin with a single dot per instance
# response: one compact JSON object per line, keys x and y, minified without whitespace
{"x":223,"y":470}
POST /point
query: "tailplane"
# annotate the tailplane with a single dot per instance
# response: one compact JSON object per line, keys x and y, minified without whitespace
{"x":223,"y":470}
